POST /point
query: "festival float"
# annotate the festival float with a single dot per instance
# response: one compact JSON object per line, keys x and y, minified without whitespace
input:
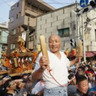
{"x":19,"y":61}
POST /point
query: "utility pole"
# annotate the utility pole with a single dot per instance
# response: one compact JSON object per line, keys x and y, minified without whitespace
{"x":84,"y":51}
{"x":77,"y":19}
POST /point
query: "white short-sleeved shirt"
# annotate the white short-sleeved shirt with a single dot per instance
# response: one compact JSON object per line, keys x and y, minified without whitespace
{"x":59,"y":69}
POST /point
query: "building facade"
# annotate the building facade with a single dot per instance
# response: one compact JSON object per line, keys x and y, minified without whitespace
{"x":63,"y":22}
{"x":3,"y":37}
{"x":23,"y":21}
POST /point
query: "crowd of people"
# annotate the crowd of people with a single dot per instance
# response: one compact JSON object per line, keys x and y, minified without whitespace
{"x":53,"y":76}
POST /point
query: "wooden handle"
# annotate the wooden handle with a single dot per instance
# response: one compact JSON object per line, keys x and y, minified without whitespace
{"x":80,"y":50}
{"x":43,"y":45}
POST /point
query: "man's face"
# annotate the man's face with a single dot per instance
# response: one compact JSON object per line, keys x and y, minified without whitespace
{"x":54,"y":43}
{"x":90,"y":76}
{"x":80,"y":71}
{"x":83,"y":86}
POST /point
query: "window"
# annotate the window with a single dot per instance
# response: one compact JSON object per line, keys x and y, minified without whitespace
{"x":3,"y":47}
{"x":11,"y":19}
{"x":63,"y":32}
{"x":13,"y":7}
{"x":87,"y":48}
{"x":95,"y":34}
{"x":17,"y":16}
{"x":12,"y":46}
{"x":63,"y":11}
{"x":31,"y":38}
{"x":70,"y":14}
{"x":0,"y":33}
{"x":18,"y":4}
{"x":18,"y":29}
{"x":13,"y":31}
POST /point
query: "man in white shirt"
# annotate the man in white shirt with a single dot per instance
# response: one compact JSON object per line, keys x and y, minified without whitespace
{"x":54,"y":69}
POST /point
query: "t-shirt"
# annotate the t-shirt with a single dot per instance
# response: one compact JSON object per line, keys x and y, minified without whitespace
{"x":59,"y":70}
{"x":92,"y":91}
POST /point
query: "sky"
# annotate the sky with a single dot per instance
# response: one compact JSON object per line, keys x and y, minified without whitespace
{"x":4,"y":9}
{"x":6,"y":4}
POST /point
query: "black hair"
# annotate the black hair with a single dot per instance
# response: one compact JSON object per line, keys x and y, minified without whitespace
{"x":87,"y":66}
{"x":70,"y":76}
{"x":25,"y":74}
{"x":3,"y":76}
{"x":15,"y":77}
{"x":80,"y":79}
{"x":82,"y":68}
{"x":3,"y":87}
{"x":7,"y":83}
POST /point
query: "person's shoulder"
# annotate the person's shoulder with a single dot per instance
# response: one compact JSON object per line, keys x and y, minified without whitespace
{"x":92,"y":89}
{"x":76,"y":94}
{"x":8,"y":94}
{"x":50,"y":53}
{"x":62,"y":53}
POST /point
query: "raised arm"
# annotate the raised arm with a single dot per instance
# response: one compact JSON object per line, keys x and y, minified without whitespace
{"x":44,"y":63}
{"x":74,"y":61}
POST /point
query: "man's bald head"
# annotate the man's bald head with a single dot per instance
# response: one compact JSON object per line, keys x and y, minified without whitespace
{"x":54,"y":36}
{"x":54,"y":43}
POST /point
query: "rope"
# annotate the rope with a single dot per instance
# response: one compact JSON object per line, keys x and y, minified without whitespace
{"x":58,"y":82}
{"x":49,"y":70}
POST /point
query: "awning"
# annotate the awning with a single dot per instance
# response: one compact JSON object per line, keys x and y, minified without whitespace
{"x":90,"y":54}
{"x":94,"y":52}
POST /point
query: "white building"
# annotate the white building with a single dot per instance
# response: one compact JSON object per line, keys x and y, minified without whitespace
{"x":3,"y":37}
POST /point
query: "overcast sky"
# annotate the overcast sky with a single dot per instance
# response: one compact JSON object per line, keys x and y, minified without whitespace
{"x":5,"y":6}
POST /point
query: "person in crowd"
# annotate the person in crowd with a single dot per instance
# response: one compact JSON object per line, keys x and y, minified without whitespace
{"x":92,"y":91}
{"x":80,"y":71}
{"x":82,"y":86}
{"x":29,"y":86}
{"x":4,"y":85}
{"x":86,"y":67}
{"x":72,"y":86}
{"x":91,"y":77}
{"x":11,"y":89}
{"x":22,"y":90}
{"x":54,"y":69}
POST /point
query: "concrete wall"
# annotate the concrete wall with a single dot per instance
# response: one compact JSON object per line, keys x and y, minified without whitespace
{"x":50,"y":24}
{"x":65,"y":17}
